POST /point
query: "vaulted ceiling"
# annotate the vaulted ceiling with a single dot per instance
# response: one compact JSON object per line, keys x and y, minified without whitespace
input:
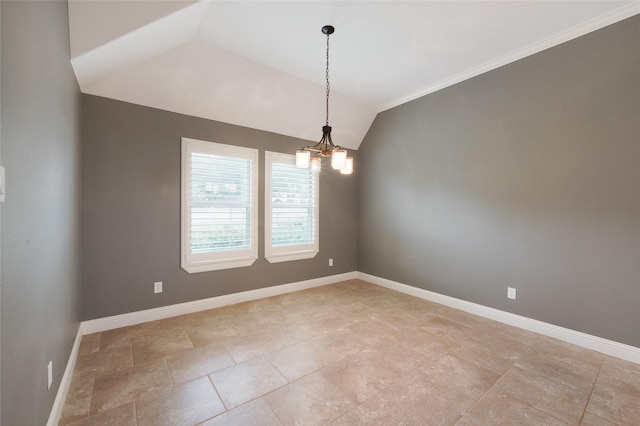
{"x":261,"y":64}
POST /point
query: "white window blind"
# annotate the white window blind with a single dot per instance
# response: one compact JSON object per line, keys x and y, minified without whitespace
{"x":219,"y":206}
{"x":291,"y":209}
{"x":220,"y":203}
{"x":292,"y":205}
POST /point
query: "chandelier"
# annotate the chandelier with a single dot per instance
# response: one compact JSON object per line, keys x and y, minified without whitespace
{"x":311,"y":156}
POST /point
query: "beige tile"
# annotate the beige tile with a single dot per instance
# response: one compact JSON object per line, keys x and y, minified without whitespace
{"x":421,"y":341}
{"x":500,"y":409}
{"x":224,"y":313}
{"x":293,"y":332}
{"x":616,"y":396}
{"x":614,"y":365}
{"x":207,"y":337}
{"x":297,"y":360}
{"x":198,"y":362}
{"x":590,"y":419}
{"x":298,"y":301}
{"x":355,"y":310}
{"x":288,"y":334}
{"x":65,"y":421}
{"x":123,"y":415}
{"x":335,"y":346}
{"x":78,"y":400}
{"x":213,"y":331}
{"x":370,"y":331}
{"x":89,"y":343}
{"x":570,"y":353}
{"x":491,"y":357}
{"x":163,"y":345}
{"x":188,"y":404}
{"x":128,"y":335}
{"x":253,"y":413}
{"x":104,"y":362}
{"x":361,"y":375}
{"x":505,"y":334}
{"x":570,"y":369}
{"x":275,"y":319}
{"x":469,"y":377}
{"x":125,"y":386}
{"x":413,"y":400}
{"x":401,"y":359}
{"x":413,"y":308}
{"x":311,"y":400}
{"x":188,"y":322}
{"x":500,"y":336}
{"x":392,"y":317}
{"x":307,"y":306}
{"x":545,"y":393}
{"x":451,"y":330}
{"x":325,"y":321}
{"x":620,"y":373}
{"x":245,"y":322}
{"x":466,"y":319}
{"x":258,"y":342}
{"x":260,"y":307}
{"x":244,"y":382}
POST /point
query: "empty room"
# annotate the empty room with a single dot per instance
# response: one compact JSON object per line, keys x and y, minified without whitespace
{"x":319,"y":212}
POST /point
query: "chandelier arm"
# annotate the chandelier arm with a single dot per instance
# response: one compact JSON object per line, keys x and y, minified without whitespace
{"x":330,"y":140}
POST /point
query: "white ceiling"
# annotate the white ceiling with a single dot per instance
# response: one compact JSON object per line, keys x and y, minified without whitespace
{"x":261,"y":64}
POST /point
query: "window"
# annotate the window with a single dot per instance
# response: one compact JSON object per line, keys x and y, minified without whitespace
{"x":291,"y":209}
{"x":219,"y":206}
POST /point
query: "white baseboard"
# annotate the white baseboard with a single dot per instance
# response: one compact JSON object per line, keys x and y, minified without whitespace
{"x":65,"y":383}
{"x":133,"y":318}
{"x":609,"y":347}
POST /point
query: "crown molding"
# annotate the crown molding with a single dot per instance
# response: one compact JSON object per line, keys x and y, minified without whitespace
{"x":587,"y":27}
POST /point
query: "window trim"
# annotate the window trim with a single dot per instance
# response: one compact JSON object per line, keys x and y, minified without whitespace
{"x":202,"y":262}
{"x":287,"y":253}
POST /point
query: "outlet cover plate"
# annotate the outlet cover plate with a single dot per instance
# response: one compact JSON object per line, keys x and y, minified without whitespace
{"x":511,"y":293}
{"x":157,"y":287}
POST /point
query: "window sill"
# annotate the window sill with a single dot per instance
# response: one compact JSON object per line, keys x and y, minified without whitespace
{"x":217,"y":266}
{"x":286,"y":257}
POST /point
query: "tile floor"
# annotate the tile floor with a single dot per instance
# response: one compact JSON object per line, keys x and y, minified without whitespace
{"x":350,"y":353}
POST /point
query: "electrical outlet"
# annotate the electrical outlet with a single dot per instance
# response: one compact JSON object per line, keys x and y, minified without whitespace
{"x":511,"y":293}
{"x":157,"y":287}
{"x":331,"y":262}
{"x":49,"y":374}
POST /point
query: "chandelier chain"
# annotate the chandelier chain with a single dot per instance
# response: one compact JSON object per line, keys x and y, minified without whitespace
{"x":327,"y":77}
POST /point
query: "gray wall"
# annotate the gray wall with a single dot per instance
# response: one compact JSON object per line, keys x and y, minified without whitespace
{"x":40,"y":269}
{"x":526,"y":176}
{"x":131,"y":211}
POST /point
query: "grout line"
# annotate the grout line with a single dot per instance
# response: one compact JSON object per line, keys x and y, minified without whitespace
{"x":276,"y":368}
{"x":529,"y":347}
{"x":166,"y":365}
{"x":135,"y":412}
{"x":274,"y":412}
{"x":595,"y":382}
{"x":226,"y":410}
{"x":401,"y":376}
{"x":93,"y":392}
